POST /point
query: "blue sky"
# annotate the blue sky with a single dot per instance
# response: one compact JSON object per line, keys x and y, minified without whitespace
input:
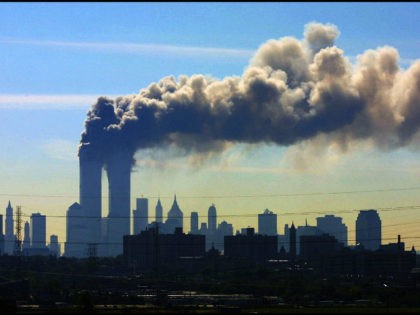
{"x":56,"y":58}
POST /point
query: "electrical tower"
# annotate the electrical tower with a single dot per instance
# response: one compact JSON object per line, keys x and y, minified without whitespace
{"x":18,"y":241}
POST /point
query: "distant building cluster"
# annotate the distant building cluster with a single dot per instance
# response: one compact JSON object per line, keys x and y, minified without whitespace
{"x":88,"y":234}
{"x":33,"y":240}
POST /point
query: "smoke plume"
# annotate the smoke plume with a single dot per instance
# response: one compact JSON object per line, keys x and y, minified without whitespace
{"x":292,"y":92}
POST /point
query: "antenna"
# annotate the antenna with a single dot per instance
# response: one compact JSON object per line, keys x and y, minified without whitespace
{"x":18,"y":241}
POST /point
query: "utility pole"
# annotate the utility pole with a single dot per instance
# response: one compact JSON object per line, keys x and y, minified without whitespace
{"x":18,"y":241}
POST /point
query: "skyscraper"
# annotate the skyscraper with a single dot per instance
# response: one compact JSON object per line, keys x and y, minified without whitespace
{"x":175,"y":218}
{"x":292,"y":244}
{"x":159,"y":212}
{"x":369,"y":229}
{"x":76,"y":245}
{"x":212,"y":219}
{"x":140,"y":215}
{"x":267,"y":223}
{"x":9,"y":238}
{"x":118,"y":167}
{"x":90,"y":199}
{"x":26,"y":237}
{"x":54,"y":247}
{"x":333,"y":226}
{"x":38,"y":231}
{"x":194,"y":223}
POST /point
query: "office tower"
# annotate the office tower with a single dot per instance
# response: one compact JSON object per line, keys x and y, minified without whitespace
{"x":54,"y":247}
{"x":159,"y":212}
{"x":90,"y":190}
{"x":368,"y":229}
{"x":194,"y":223}
{"x":38,"y":231}
{"x":224,"y":229}
{"x":267,"y":223}
{"x":76,"y":244}
{"x":212,"y":219}
{"x":9,"y":238}
{"x":118,"y":167}
{"x":140,"y":215}
{"x":305,"y":230}
{"x":175,"y":218}
{"x":333,"y":226}
{"x":26,"y":237}
{"x":292,"y":242}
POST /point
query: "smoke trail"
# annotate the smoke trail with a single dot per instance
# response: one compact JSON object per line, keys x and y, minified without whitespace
{"x":293,"y":91}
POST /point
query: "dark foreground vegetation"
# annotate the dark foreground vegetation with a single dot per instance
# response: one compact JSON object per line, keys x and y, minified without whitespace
{"x":103,"y":285}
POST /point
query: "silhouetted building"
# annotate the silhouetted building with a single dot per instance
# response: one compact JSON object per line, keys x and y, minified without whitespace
{"x":76,"y":243}
{"x":224,"y":229}
{"x":38,"y":230}
{"x":194,"y":223}
{"x":397,"y":247}
{"x":150,"y":249}
{"x":333,"y":226}
{"x":251,"y":246}
{"x":26,"y":238}
{"x":9,"y":238}
{"x":313,"y":247}
{"x":305,"y":230}
{"x":284,"y":240}
{"x":267,"y":223}
{"x":292,"y":244}
{"x":118,"y":167}
{"x":159,"y":212}
{"x":175,"y":218}
{"x":140,"y":215}
{"x":368,"y":229}
{"x":89,"y":206}
{"x":54,"y":247}
{"x":211,"y":228}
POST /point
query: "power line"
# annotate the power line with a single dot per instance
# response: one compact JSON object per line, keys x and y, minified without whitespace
{"x":229,"y":196}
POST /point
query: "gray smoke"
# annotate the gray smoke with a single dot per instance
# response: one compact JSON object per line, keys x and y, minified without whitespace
{"x":293,"y":91}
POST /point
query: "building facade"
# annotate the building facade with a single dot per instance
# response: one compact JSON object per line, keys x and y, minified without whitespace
{"x":140,"y":215}
{"x":333,"y":226}
{"x":368,"y":229}
{"x":267,"y":223}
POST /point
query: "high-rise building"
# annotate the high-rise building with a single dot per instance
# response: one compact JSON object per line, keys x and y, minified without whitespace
{"x":159,"y":212}
{"x":118,"y":167}
{"x":194,"y":223}
{"x":26,"y":237}
{"x":267,"y":223}
{"x":175,"y":218}
{"x":292,"y":240}
{"x":90,"y":201}
{"x":54,"y":247}
{"x":212,"y":219}
{"x":224,"y":229}
{"x":368,"y":229}
{"x":211,"y":228}
{"x":305,"y":230}
{"x":9,"y":237}
{"x":140,"y":215}
{"x":38,"y":231}
{"x":333,"y":226}
{"x":76,"y":243}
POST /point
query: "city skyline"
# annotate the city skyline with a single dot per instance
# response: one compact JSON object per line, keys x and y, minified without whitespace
{"x":43,"y":117}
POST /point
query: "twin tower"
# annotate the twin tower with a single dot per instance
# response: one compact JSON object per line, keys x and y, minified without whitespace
{"x":103,"y":236}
